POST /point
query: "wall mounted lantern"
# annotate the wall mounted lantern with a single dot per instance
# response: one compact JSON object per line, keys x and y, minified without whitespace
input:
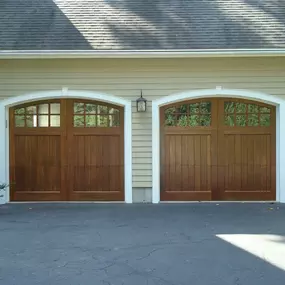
{"x":141,"y":104}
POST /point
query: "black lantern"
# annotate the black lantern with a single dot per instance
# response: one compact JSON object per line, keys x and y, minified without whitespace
{"x":141,"y":104}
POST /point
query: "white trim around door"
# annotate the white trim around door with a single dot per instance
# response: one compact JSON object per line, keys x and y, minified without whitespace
{"x":231,"y":93}
{"x":64,"y":93}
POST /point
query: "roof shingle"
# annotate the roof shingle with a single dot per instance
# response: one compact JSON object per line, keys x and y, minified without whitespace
{"x":141,"y":24}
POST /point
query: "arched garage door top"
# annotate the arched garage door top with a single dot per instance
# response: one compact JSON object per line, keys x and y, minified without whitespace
{"x":65,"y":93}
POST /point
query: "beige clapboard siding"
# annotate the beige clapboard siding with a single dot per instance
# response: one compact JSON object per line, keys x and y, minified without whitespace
{"x":157,"y":78}
{"x":140,"y":149}
{"x":149,"y":86}
{"x":138,"y":172}
{"x":139,"y":127}
{"x":138,"y":143}
{"x":153,"y":82}
{"x":149,"y":89}
{"x":144,"y":184}
{"x":142,"y":160}
{"x":141,"y":154}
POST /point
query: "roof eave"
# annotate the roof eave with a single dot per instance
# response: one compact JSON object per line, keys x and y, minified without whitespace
{"x":198,"y":53}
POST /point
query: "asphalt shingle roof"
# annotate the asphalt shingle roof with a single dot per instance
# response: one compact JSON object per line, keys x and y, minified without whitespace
{"x":141,"y":24}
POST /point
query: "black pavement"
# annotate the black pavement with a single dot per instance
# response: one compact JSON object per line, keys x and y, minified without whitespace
{"x":199,"y":244}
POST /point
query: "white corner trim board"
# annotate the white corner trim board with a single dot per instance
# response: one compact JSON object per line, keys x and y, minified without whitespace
{"x":219,"y":92}
{"x":64,"y":93}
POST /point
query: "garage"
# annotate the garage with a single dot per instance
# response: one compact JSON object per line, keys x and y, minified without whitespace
{"x":66,"y":150}
{"x":218,"y":149}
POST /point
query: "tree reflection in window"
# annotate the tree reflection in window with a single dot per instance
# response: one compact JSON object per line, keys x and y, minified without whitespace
{"x":38,"y":115}
{"x":95,"y":115}
{"x":246,"y":114}
{"x":188,"y":115}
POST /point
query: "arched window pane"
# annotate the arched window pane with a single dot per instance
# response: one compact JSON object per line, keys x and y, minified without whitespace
{"x":93,"y":115}
{"x":38,"y":115}
{"x":196,"y":114}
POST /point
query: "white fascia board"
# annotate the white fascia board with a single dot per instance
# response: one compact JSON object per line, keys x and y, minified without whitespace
{"x":199,"y":53}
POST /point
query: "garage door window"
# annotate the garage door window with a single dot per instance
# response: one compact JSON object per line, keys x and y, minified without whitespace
{"x":188,"y":115}
{"x":40,"y":115}
{"x":93,"y":115}
{"x":243,"y":115}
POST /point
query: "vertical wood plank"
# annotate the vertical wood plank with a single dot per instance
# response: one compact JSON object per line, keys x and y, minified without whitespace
{"x":203,"y":168}
{"x":191,"y":163}
{"x":263,"y":163}
{"x":178,"y":162}
{"x":172,"y":162}
{"x":244,"y":185}
{"x":257,"y":156}
{"x":184,"y":162}
{"x":197,"y":155}
{"x":268,"y":164}
{"x":250,"y":162}
{"x":237,"y":163}
{"x":209,"y":165}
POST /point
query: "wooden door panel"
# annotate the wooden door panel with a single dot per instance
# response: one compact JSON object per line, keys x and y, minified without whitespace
{"x":247,"y":167}
{"x":187,"y":154}
{"x":247,"y":150}
{"x":97,"y":168}
{"x":37,"y":167}
{"x":187,"y":167}
{"x":96,"y":156}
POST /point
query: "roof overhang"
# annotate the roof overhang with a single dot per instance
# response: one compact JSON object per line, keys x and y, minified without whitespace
{"x":194,"y":53}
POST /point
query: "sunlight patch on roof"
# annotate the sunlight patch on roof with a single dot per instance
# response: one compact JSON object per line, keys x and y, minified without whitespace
{"x":253,"y":18}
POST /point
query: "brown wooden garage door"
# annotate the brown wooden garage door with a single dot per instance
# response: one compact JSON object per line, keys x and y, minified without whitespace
{"x":66,"y":150}
{"x":218,"y":149}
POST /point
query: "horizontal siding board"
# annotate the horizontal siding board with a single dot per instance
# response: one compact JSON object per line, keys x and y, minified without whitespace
{"x":131,"y":89}
{"x":141,"y":132}
{"x":144,"y":184}
{"x":148,"y":89}
{"x":141,"y":160}
{"x":149,"y":82}
{"x":160,"y":78}
{"x":140,"y":166}
{"x":141,"y":148}
{"x":147,"y":154}
{"x":137,"y":143}
{"x":139,"y":172}
{"x":156,"y":78}
{"x":142,"y":139}
{"x":137,"y":121}
{"x":142,"y":179}
{"x":139,"y":127}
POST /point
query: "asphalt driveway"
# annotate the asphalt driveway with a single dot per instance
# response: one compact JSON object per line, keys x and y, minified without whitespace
{"x":242,"y":244}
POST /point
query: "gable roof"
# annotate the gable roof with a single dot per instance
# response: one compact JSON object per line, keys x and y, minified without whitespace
{"x":141,"y":24}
